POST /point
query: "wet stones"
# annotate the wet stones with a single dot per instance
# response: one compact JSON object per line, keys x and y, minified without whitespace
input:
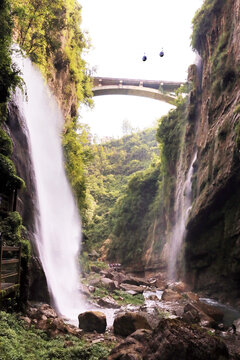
{"x":90,"y":321}
{"x":126,"y":324}
{"x":108,"y":302}
{"x":128,"y":287}
{"x":172,"y":339}
{"x":171,"y":295}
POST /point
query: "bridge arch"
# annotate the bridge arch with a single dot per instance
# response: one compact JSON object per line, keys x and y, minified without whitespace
{"x":154,"y":89}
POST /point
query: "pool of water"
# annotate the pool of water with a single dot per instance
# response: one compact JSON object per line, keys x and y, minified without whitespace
{"x":230,"y":314}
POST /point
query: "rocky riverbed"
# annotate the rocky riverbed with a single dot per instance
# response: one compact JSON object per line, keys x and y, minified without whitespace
{"x":145,"y":319}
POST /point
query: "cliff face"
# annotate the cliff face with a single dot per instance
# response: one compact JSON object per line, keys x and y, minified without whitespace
{"x":212,"y":244}
{"x":211,"y":255}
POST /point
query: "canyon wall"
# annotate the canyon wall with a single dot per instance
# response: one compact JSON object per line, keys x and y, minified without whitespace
{"x":210,"y":257}
{"x":212,"y":243}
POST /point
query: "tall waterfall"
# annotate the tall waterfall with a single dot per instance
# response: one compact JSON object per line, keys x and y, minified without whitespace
{"x":58,"y":225}
{"x":183,"y":205}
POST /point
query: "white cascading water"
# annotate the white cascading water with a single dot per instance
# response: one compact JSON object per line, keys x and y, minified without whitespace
{"x":183,"y":206}
{"x":59,"y":229}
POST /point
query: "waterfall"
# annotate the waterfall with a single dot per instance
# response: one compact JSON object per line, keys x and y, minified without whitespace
{"x":183,"y":204}
{"x":58,"y":234}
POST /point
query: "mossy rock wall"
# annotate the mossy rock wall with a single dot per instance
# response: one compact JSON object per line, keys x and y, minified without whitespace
{"x":212,"y":254}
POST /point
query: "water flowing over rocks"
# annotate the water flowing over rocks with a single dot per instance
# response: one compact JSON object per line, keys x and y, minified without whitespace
{"x":177,"y":322}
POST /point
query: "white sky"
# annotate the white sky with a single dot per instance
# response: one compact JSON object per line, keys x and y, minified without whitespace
{"x":121,"y":31}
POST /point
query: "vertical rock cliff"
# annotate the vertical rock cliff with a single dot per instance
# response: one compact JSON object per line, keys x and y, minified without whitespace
{"x":212,"y":244}
{"x":211,"y":252}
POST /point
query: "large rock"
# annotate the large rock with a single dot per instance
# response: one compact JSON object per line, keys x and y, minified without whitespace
{"x":126,"y":324}
{"x":109,"y":284}
{"x":135,"y":288}
{"x":171,"y":340}
{"x":90,"y":321}
{"x":132,"y":280}
{"x":108,"y":302}
{"x":132,"y":347}
{"x":178,"y":286}
{"x":175,"y":340}
{"x":119,"y":277}
{"x":191,"y":296}
{"x":212,"y":311}
{"x":161,"y":284}
{"x":170,"y":295}
{"x":193,"y":314}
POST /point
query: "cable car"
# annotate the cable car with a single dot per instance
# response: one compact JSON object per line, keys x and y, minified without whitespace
{"x":144,"y":58}
{"x":161,"y":54}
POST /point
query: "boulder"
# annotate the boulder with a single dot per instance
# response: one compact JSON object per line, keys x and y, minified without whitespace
{"x":175,"y":340}
{"x":132,"y":347}
{"x":109,"y":284}
{"x":193,"y":314}
{"x":126,"y":324}
{"x":170,"y":295}
{"x":108,"y":302}
{"x":135,"y":281}
{"x":94,"y":282}
{"x":212,"y":311}
{"x":95,"y":269}
{"x":45,"y":310}
{"x":160,"y":284}
{"x":179,"y":287}
{"x":56,"y":326}
{"x":119,"y":277}
{"x":90,"y":321}
{"x":191,"y":296}
{"x":107,"y":274}
{"x":135,"y":288}
{"x":171,"y":340}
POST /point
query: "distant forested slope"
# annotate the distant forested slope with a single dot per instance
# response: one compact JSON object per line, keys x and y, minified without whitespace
{"x":113,"y":165}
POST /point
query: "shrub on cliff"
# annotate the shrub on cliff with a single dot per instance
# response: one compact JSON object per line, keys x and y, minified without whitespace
{"x":202,"y":21}
{"x":49,"y":33}
{"x":9,"y":74}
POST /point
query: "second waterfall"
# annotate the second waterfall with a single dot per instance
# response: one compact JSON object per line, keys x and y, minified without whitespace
{"x":58,"y":225}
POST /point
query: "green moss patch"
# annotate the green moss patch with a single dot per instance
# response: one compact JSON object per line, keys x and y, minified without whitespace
{"x":19,"y":343}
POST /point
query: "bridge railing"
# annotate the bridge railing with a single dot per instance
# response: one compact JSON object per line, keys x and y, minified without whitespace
{"x":10,"y":266}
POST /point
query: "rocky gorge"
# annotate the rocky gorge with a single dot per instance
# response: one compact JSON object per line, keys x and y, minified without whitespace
{"x":211,"y":129}
{"x":137,"y":310}
{"x":170,"y":323}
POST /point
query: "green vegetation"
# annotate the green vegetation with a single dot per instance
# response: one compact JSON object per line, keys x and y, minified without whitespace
{"x":20,"y":343}
{"x":202,"y":21}
{"x":149,"y":194}
{"x":9,"y":74}
{"x":123,"y":298}
{"x":169,"y":134}
{"x":11,"y":229}
{"x":49,"y":33}
{"x":132,"y":216}
{"x":78,"y":155}
{"x":113,"y":165}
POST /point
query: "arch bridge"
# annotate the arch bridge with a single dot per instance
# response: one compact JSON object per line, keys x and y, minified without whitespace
{"x":154,"y":89}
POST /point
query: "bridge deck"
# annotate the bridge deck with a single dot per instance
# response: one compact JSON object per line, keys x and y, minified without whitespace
{"x":133,"y":90}
{"x":168,"y":86}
